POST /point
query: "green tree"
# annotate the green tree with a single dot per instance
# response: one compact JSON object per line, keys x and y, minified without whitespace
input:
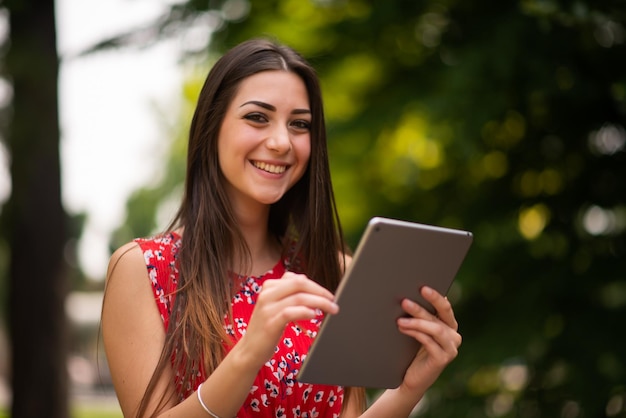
{"x":504,"y":118}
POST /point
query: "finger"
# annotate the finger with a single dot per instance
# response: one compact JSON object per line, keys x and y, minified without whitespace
{"x":294,"y":283}
{"x":441,"y":350}
{"x":278,"y":315}
{"x":296,"y":313}
{"x":310,"y":301}
{"x":433,"y":348}
{"x":446,"y":337}
{"x":416,"y":310}
{"x":442,"y":306}
{"x":293,"y":307}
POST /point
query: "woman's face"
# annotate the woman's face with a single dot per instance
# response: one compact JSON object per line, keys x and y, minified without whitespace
{"x":264,"y":142}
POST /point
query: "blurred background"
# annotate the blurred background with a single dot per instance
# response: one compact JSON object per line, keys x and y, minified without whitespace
{"x":505,"y":118}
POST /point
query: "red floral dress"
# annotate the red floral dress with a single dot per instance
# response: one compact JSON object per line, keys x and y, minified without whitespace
{"x":275,"y":392}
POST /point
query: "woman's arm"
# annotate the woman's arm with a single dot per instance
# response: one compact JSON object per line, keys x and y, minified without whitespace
{"x":134,"y":336}
{"x":132,"y":329}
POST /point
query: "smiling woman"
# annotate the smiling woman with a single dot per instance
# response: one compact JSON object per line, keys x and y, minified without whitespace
{"x":244,"y":275}
{"x":269,"y":136}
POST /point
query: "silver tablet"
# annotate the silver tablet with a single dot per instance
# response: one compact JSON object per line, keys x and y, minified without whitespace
{"x":361,"y":345}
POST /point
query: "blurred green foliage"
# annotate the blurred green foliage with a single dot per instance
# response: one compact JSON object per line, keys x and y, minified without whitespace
{"x":506,"y":118}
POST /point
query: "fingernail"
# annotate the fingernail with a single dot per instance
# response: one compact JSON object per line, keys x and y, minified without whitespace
{"x":427,"y":291}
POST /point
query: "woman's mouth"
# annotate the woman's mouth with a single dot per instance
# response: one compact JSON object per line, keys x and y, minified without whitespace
{"x":270,"y":168}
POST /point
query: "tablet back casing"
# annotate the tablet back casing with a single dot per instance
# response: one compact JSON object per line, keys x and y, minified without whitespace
{"x":361,"y":345}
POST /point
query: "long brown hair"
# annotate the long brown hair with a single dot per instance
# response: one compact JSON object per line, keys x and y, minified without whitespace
{"x":306,"y":215}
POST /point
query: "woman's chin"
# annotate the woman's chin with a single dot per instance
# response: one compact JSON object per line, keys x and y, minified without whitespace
{"x":269,"y":197}
{"x":267,"y":200}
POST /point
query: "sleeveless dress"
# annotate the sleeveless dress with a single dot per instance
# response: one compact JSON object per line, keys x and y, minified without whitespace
{"x":275,"y":392}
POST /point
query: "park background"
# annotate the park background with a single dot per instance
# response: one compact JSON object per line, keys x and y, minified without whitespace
{"x":505,"y":118}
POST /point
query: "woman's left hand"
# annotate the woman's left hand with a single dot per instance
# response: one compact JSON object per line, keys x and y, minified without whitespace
{"x":438,"y":335}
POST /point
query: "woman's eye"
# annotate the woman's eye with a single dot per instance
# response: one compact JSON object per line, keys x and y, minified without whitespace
{"x":301,"y":124}
{"x":256,"y":117}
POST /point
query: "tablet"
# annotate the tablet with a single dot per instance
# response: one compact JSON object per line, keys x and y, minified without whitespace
{"x":361,"y":344}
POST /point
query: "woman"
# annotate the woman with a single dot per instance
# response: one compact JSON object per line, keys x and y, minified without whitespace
{"x":248,"y":267}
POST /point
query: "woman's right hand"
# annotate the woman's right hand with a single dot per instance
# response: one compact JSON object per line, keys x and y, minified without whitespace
{"x":293,"y":297}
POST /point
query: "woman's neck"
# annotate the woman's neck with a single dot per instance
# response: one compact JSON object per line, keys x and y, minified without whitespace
{"x":264,"y":248}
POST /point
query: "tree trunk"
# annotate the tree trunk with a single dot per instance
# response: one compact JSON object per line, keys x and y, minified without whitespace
{"x":34,"y":218}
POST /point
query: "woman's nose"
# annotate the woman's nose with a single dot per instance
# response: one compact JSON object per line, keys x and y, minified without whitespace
{"x":279,"y":140}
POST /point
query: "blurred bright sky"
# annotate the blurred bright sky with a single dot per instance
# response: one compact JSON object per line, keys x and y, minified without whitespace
{"x":111,"y":103}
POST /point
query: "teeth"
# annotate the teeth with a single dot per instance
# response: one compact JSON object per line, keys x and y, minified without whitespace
{"x":270,"y":168}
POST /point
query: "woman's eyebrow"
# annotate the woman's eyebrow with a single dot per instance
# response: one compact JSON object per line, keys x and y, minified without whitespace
{"x":260,"y":104}
{"x":273,"y":108}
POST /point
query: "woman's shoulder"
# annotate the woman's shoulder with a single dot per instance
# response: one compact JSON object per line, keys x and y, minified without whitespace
{"x":125,"y":258}
{"x":139,"y":251}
